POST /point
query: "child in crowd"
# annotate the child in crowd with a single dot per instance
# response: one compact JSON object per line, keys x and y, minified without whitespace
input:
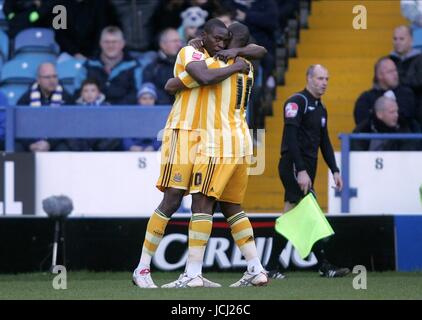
{"x":147,"y":96}
{"x":91,"y":95}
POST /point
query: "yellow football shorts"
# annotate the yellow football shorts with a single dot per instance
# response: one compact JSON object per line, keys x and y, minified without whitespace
{"x":178,"y":153}
{"x":225,"y":179}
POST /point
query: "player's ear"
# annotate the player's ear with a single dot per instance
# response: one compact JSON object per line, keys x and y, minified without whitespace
{"x":203,"y":35}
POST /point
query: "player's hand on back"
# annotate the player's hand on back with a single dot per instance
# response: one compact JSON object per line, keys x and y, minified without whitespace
{"x":244,"y":67}
{"x":304,"y":181}
{"x":226,"y":55}
{"x":197,"y":44}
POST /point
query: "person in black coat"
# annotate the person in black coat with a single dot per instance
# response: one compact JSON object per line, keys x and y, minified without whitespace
{"x":385,"y":119}
{"x":85,"y":21}
{"x":386,"y":80}
{"x":24,"y":14}
{"x":261,"y":17}
{"x":413,"y":80}
{"x":403,"y":53}
{"x":162,"y":68}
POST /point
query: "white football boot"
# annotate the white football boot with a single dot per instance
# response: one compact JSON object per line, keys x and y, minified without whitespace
{"x":142,"y":278}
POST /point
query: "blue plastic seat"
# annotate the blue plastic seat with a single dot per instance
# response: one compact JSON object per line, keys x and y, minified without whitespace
{"x":36,"y":57}
{"x":13,"y":92}
{"x":36,"y":40}
{"x":67,"y":71}
{"x":18,"y":72}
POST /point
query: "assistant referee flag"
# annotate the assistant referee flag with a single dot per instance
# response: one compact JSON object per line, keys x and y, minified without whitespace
{"x":304,"y":225}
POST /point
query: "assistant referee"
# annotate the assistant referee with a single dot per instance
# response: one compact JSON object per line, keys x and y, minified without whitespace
{"x":305,"y":131}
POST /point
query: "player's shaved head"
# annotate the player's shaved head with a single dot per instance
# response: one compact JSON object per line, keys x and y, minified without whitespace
{"x":240,"y":34}
{"x":215,"y":36}
{"x":212,"y":24}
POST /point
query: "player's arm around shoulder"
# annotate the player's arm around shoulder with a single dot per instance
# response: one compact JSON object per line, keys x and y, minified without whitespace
{"x":250,"y":52}
{"x":205,"y":75}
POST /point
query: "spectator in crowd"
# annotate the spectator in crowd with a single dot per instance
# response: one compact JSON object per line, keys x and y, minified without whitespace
{"x":167,"y":14}
{"x":147,"y":96}
{"x":225,"y":15}
{"x":403,"y":53}
{"x":161,"y":69}
{"x":385,"y":119}
{"x":24,"y":14}
{"x":210,"y":6}
{"x":386,"y":79}
{"x":412,"y":10}
{"x":136,"y":20}
{"x":46,"y":91}
{"x":3,"y":103}
{"x":91,"y":95}
{"x":193,"y":19}
{"x":261,"y":16}
{"x":413,"y":79}
{"x":286,"y":10}
{"x":85,"y":21}
{"x":118,"y":75}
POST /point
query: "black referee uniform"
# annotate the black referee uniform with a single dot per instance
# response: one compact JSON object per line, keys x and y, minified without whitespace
{"x":305,"y":131}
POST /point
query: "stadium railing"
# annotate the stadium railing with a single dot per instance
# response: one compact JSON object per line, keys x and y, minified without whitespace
{"x":83,"y":122}
{"x":346,"y":138}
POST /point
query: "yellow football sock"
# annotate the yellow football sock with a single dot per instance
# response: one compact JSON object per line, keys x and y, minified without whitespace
{"x":242,"y":233}
{"x":200,"y":228}
{"x":155,"y":231}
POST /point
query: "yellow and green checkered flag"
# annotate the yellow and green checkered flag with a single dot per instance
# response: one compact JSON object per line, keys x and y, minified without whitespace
{"x":304,"y":225}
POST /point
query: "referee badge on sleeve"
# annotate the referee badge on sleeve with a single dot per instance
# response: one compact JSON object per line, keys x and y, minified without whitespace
{"x":291,"y":110}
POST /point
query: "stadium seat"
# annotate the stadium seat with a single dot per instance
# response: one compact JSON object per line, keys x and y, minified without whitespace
{"x":67,"y":71}
{"x":13,"y":92}
{"x":417,"y":38}
{"x":36,"y":57}
{"x":18,"y":72}
{"x":36,"y":40}
{"x":16,"y":77}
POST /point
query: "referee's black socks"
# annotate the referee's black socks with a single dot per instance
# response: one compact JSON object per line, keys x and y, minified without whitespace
{"x":279,"y":242}
{"x":319,"y":249}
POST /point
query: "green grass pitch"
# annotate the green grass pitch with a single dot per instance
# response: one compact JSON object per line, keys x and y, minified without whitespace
{"x":297,"y":286}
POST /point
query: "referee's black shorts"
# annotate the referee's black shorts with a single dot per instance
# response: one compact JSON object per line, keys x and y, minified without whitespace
{"x":288,"y":174}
